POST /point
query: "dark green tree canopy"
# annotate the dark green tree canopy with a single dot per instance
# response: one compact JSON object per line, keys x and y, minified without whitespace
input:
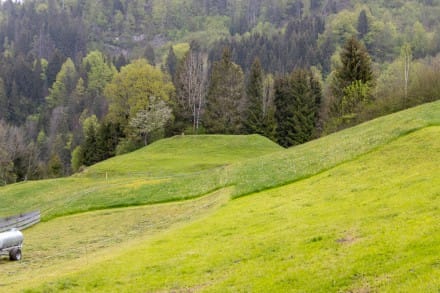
{"x":254,"y":119}
{"x":353,"y":81}
{"x":226,"y":97}
{"x":297,"y":102}
{"x":363,"y":25}
{"x":171,"y":63}
{"x":355,"y":64}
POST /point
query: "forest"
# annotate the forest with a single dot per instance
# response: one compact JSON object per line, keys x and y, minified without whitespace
{"x":82,"y":81}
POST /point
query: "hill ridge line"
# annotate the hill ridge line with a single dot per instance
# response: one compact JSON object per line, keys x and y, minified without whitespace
{"x":357,"y":157}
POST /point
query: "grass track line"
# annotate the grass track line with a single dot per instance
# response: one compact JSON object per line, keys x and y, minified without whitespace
{"x":371,"y":224}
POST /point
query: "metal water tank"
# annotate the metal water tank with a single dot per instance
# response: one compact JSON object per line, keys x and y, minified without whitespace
{"x":11,"y":242}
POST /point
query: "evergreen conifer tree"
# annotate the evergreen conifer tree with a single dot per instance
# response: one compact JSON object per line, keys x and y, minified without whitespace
{"x":356,"y":63}
{"x":225,"y":101}
{"x":254,"y":122}
{"x":150,"y":55}
{"x":363,"y":25}
{"x":297,"y":101}
{"x":171,"y":63}
{"x":353,"y":79}
{"x":90,"y":153}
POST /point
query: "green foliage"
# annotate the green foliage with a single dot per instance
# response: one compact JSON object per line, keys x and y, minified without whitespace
{"x":90,"y":123}
{"x":226,"y":97}
{"x":352,"y":81}
{"x":6,"y":168}
{"x":297,"y":102}
{"x":150,"y":55}
{"x":127,"y":145}
{"x":55,"y":166}
{"x":64,"y":85}
{"x":130,"y":90}
{"x":355,"y":95}
{"x":37,"y":38}
{"x":343,"y":27}
{"x":76,"y":161}
{"x":191,"y":83}
{"x":89,"y":148}
{"x":109,"y":135}
{"x":363,"y":25}
{"x":100,"y":142}
{"x":255,"y":116}
{"x":171,"y":62}
{"x":180,"y":50}
{"x":151,"y":119}
{"x":419,"y":40}
{"x":355,"y":64}
{"x":404,"y":83}
{"x":99,"y":72}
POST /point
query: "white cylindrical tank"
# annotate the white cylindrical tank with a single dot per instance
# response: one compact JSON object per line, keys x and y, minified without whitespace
{"x":10,"y":239}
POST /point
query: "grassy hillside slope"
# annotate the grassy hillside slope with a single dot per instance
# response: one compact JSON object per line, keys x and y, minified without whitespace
{"x":75,"y":242}
{"x":170,"y":169}
{"x":370,"y":224}
{"x":154,"y":179}
{"x":181,"y":155}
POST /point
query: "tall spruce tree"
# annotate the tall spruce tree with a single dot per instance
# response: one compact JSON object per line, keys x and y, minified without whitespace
{"x":171,"y":63}
{"x":363,"y":25}
{"x":150,"y":55}
{"x":90,"y":152}
{"x":356,"y":63}
{"x":297,"y":100}
{"x":226,"y":97}
{"x":353,"y":79}
{"x":255,"y":122}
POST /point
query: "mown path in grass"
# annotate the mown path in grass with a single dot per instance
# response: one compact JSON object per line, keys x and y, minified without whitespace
{"x":371,"y":224}
{"x":75,"y":242}
{"x":248,"y":168}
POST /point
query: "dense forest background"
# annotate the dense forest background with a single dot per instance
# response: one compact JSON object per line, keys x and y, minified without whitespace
{"x":81,"y":81}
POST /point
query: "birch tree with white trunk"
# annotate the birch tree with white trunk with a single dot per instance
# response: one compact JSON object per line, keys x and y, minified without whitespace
{"x":192,"y":86}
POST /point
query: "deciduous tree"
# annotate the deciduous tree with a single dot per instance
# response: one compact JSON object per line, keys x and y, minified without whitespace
{"x":191,"y":89}
{"x":63,"y":86}
{"x":150,"y":119}
{"x":129,"y":91}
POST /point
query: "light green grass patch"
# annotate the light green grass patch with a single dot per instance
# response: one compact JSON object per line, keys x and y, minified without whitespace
{"x":171,"y":169}
{"x":249,"y":163}
{"x":185,"y":154}
{"x":371,"y":224}
{"x":79,"y":241}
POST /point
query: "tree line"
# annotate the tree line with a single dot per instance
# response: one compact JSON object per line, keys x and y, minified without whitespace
{"x":69,"y":99}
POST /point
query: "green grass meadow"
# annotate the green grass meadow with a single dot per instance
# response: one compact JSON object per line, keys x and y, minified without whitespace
{"x":75,"y":242}
{"x":172,"y":169}
{"x":356,"y":211}
{"x":249,"y":163}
